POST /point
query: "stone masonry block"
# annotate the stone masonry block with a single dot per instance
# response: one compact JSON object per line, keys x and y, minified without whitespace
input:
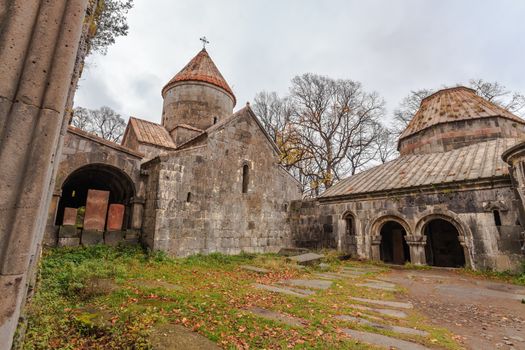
{"x":96,"y":210}
{"x":68,"y":231}
{"x":68,"y":241}
{"x":115,"y":217}
{"x":113,"y":238}
{"x":92,"y":237}
{"x":70,"y":216}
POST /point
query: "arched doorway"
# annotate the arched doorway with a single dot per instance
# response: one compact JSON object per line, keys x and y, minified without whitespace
{"x":350,"y":239}
{"x":97,"y":177}
{"x":443,"y":247}
{"x":394,"y":248}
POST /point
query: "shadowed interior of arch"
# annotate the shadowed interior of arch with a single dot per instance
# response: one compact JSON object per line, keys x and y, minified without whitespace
{"x":96,"y":177}
{"x":443,"y":247}
{"x":394,"y":248}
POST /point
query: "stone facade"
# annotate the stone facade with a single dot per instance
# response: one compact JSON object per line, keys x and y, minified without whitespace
{"x":185,"y":215}
{"x":486,"y":244}
{"x":205,"y":180}
{"x":448,"y":200}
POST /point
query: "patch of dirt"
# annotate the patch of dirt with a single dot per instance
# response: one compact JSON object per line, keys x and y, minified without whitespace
{"x":484,"y":314}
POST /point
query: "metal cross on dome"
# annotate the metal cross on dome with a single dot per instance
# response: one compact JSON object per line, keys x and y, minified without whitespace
{"x":204,"y":42}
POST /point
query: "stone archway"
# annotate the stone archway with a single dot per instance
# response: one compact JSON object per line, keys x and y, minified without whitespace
{"x":443,"y":246}
{"x":389,"y":241}
{"x":393,"y":247}
{"x":453,"y":232}
{"x":350,"y":234}
{"x":100,"y":177}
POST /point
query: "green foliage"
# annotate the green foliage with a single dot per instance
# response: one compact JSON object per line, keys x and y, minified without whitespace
{"x":108,"y":22}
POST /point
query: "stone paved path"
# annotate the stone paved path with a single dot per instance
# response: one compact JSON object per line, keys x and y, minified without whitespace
{"x":384,"y":312}
{"x":485,"y":314}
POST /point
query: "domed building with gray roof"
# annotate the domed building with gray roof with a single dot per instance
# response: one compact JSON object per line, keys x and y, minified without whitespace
{"x":448,"y":200}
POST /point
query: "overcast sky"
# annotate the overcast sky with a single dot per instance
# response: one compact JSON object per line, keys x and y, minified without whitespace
{"x":391,"y":46}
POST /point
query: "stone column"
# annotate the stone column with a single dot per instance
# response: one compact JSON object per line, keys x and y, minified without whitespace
{"x":376,"y":242}
{"x":468,"y":260}
{"x":416,"y":244}
{"x":137,"y":213}
{"x":38,"y":48}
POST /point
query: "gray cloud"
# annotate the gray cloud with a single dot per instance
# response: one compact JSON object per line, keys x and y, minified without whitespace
{"x":390,"y":46}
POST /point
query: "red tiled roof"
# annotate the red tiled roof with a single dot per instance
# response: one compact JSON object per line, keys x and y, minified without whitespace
{"x":201,"y":68}
{"x":453,"y":104}
{"x":152,"y":133}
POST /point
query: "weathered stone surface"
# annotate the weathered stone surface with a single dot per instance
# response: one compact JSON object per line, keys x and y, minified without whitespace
{"x":115,"y":217}
{"x":255,"y":269}
{"x":69,"y":231}
{"x":174,"y":337}
{"x":96,"y":210}
{"x":70,"y":216}
{"x":378,"y":285}
{"x":387,"y":312}
{"x":292,"y":251}
{"x":277,"y":316}
{"x":382,"y":340}
{"x":311,"y":284}
{"x":113,"y":238}
{"x":91,"y":237}
{"x":68,"y":241}
{"x":393,"y":328}
{"x":285,"y":290}
{"x":307,"y":259}
{"x":389,"y":303}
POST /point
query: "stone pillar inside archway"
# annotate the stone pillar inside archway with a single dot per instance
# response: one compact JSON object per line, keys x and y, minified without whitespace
{"x":417,"y":243}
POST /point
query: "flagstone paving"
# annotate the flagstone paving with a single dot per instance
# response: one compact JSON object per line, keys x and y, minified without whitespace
{"x":378,"y":285}
{"x":301,"y":293}
{"x":277,"y":316}
{"x":311,"y":284}
{"x":393,"y":328}
{"x":386,"y":312}
{"x":383,"y":340}
{"x":396,"y":304}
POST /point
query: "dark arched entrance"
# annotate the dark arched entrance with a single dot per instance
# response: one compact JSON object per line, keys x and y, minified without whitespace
{"x":350,"y":238}
{"x":443,"y":247}
{"x":394,"y":248}
{"x":97,"y":177}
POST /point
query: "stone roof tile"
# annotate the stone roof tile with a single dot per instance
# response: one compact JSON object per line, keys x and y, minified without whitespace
{"x":151,"y":133}
{"x":201,"y":68}
{"x":454,"y":104}
{"x":470,"y":163}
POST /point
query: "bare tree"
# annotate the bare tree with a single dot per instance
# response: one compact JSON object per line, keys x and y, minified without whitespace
{"x":103,"y":122}
{"x":385,"y":143}
{"x":494,"y":92}
{"x":324,"y":128}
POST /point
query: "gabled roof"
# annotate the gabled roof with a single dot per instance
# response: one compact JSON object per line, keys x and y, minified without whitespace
{"x":201,"y":68}
{"x":245,"y":111}
{"x":150,"y":133}
{"x":454,"y":104}
{"x":93,"y":137}
{"x":480,"y":161}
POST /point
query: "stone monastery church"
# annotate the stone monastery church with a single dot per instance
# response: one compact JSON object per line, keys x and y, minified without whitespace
{"x":207,"y":179}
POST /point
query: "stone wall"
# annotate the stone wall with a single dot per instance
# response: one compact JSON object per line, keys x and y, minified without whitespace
{"x":453,"y":135}
{"x":471,"y":211}
{"x":195,"y":104}
{"x":81,"y":149}
{"x":195,"y":201}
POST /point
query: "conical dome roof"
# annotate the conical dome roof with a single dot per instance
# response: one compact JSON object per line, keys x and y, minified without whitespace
{"x":451,"y":105}
{"x":201,"y":68}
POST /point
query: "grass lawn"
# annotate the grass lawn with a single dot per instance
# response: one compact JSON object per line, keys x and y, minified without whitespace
{"x":114,"y":298}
